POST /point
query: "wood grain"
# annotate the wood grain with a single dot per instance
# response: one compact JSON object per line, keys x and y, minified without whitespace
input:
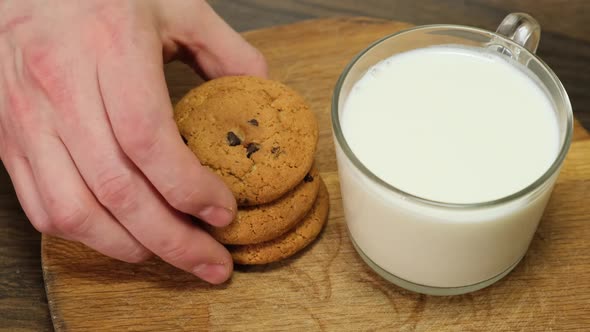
{"x":327,"y":287}
{"x":564,"y":46}
{"x":23,"y":305}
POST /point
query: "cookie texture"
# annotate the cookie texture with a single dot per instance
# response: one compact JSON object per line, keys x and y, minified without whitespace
{"x":289,"y":243}
{"x":259,"y":135}
{"x":255,"y":224}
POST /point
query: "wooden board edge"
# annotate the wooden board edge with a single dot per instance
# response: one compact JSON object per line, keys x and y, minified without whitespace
{"x":328,"y":20}
{"x":580,"y":133}
{"x":47,"y":285}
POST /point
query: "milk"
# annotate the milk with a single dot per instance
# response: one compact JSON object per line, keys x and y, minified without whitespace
{"x":451,"y":125}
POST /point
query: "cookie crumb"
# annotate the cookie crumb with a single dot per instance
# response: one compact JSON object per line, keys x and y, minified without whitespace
{"x":291,"y":242}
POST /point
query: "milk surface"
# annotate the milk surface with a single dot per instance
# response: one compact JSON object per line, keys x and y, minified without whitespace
{"x":451,"y":125}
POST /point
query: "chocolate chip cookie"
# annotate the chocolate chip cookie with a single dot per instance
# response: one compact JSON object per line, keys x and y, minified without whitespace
{"x":289,"y":243}
{"x":259,"y":135}
{"x":255,"y":224}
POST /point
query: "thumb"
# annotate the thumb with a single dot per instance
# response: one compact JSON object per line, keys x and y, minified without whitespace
{"x":202,"y":39}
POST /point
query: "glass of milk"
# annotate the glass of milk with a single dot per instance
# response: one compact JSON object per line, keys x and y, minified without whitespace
{"x":449,"y":140}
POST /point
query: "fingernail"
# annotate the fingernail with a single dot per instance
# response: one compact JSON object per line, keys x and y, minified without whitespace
{"x":216,"y":216}
{"x":212,"y":273}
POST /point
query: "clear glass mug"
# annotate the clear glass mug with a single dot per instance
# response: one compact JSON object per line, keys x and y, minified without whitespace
{"x":439,"y":248}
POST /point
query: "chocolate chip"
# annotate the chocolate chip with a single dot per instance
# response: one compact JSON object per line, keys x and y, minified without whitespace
{"x":251,"y":148}
{"x":275,"y":149}
{"x":308,"y":178}
{"x":253,"y":122}
{"x":233,"y":139}
{"x":184,"y":140}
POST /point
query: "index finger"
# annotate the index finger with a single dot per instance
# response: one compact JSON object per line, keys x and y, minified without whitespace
{"x":215,"y":48}
{"x":141,"y":116}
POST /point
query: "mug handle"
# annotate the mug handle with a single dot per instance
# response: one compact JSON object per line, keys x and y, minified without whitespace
{"x":521,"y":28}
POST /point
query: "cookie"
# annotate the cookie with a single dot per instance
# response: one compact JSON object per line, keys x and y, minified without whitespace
{"x":261,"y":223}
{"x":289,"y":243}
{"x":258,"y":135}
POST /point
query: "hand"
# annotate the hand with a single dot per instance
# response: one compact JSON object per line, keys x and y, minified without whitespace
{"x":86,"y":127}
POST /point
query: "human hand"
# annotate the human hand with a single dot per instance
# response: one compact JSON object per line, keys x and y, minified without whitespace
{"x":87,"y":131}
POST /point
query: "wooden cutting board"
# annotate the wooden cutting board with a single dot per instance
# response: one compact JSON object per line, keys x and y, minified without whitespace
{"x":327,"y":286}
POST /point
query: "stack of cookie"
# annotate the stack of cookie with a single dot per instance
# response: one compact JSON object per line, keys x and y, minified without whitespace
{"x":260,"y":137}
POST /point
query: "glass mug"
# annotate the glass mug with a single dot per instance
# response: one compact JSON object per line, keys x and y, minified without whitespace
{"x":476,"y":244}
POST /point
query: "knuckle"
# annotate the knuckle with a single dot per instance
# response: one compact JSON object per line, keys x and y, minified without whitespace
{"x":43,"y":225}
{"x":72,"y":219}
{"x":10,"y":146}
{"x":259,"y":62}
{"x":39,"y":60}
{"x":182,"y":197}
{"x":18,"y":107}
{"x":45,"y":68}
{"x":116,"y":191}
{"x":138,"y":147}
{"x":114,"y":20}
{"x":173,"y":251}
{"x":138,"y":255}
{"x":252,"y":62}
